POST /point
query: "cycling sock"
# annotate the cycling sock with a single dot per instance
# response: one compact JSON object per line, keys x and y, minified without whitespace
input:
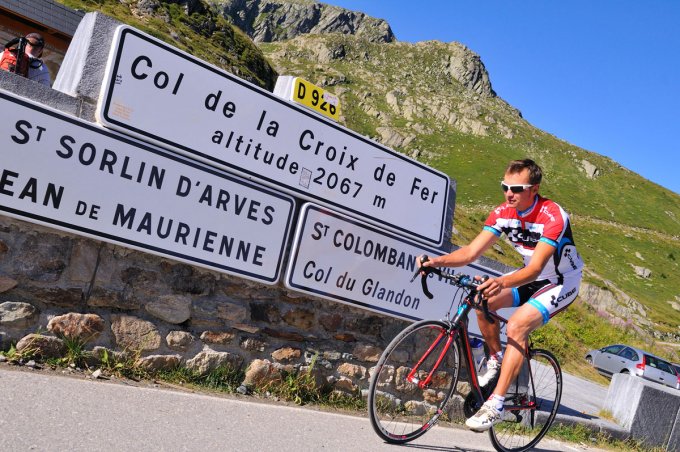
{"x":498,"y":401}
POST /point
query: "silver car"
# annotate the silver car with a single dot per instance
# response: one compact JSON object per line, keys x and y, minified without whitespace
{"x":619,"y":358}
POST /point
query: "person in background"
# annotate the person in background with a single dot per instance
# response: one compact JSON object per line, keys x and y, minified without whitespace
{"x":37,"y":69}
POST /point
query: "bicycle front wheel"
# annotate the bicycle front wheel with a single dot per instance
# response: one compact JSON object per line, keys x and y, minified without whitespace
{"x":400,"y":409}
{"x":531,"y":404}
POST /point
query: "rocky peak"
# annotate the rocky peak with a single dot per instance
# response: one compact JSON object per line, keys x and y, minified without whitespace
{"x":277,"y":20}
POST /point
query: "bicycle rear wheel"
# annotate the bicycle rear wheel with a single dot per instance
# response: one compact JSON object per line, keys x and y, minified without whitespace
{"x":531,"y":404}
{"x":399,"y":410}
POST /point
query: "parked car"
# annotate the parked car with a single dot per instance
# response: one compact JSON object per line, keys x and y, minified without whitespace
{"x":619,"y":358}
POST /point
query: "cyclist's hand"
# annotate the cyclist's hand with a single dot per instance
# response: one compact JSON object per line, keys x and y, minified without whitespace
{"x":491,"y":287}
{"x":423,"y":261}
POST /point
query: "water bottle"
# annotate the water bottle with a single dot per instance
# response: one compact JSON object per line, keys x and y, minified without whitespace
{"x":478,"y":354}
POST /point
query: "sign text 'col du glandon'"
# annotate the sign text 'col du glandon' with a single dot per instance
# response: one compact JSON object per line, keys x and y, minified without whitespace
{"x":342,"y":259}
{"x":159,"y":93}
{"x":71,"y":175}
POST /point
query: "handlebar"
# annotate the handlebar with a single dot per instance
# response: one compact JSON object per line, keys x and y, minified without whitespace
{"x":460,"y":280}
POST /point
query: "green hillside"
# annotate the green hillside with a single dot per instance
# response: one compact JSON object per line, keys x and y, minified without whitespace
{"x":410,"y":96}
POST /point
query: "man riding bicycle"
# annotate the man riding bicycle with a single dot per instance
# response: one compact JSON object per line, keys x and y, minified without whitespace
{"x":540,"y":230}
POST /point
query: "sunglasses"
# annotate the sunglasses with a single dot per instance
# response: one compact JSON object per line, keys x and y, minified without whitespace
{"x":519,"y":188}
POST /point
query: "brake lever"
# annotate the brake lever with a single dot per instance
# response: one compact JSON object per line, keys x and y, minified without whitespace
{"x":423,"y":277}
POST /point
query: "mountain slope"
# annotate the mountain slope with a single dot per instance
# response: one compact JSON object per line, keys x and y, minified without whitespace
{"x":412,"y":98}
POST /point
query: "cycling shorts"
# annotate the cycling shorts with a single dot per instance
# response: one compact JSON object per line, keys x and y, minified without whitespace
{"x":549,"y":298}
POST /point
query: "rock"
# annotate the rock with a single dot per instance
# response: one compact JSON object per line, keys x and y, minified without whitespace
{"x":7,"y":284}
{"x":274,"y":20}
{"x":179,"y":339}
{"x":260,"y":371}
{"x":264,"y":312}
{"x":392,"y":138}
{"x":345,"y":384}
{"x":134,"y":334}
{"x":173,"y":309}
{"x":352,"y":370}
{"x":232,"y":312}
{"x":300,"y":318}
{"x":96,"y":374}
{"x":71,"y":297}
{"x":42,"y":257}
{"x":467,"y":68}
{"x":73,"y":325}
{"x":345,"y":337}
{"x":104,"y":298}
{"x":155,"y":363}
{"x":17,"y":315}
{"x":41,"y":346}
{"x":209,"y":360}
{"x":286,"y":354}
{"x":642,"y":272}
{"x":213,"y":337}
{"x":368,"y":353}
{"x":32,"y":364}
{"x":591,"y":170}
{"x":330,"y":322}
{"x":253,"y":345}
{"x":286,"y":335}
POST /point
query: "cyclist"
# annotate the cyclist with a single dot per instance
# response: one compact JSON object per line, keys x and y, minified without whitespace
{"x":540,"y":231}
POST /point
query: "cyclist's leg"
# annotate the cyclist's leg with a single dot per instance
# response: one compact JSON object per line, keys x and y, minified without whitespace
{"x":520,"y":324}
{"x":492,"y":331}
{"x":544,"y":303}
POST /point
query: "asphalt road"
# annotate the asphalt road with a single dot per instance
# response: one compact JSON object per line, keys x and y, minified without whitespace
{"x":42,"y":412}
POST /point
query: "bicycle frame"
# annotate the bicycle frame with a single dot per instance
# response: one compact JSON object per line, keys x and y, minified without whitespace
{"x":458,"y":331}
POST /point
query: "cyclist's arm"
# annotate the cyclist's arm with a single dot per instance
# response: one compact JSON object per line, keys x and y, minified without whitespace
{"x":542,"y":254}
{"x":467,"y":254}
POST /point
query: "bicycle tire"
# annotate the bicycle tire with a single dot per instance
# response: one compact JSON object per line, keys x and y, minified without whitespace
{"x":400,"y":411}
{"x":522,"y":429}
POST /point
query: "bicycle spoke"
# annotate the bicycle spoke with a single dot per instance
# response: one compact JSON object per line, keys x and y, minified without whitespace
{"x":531,"y":404}
{"x":402,"y":410}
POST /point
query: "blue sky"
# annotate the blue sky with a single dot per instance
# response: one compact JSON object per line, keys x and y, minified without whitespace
{"x":601,"y":74}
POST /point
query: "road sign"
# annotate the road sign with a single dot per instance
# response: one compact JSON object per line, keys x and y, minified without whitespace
{"x":345,"y":260}
{"x":62,"y":172}
{"x":308,"y":94}
{"x":161,"y":94}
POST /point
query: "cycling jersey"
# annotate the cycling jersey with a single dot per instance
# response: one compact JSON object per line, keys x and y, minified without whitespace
{"x":545,"y":221}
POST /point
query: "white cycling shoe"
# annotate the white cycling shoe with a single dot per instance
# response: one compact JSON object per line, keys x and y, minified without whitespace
{"x":485,"y":418}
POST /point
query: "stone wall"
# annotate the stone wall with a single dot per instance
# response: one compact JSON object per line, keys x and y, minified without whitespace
{"x":61,"y":285}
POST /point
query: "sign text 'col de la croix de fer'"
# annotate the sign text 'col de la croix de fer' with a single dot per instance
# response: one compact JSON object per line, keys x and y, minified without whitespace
{"x":161,"y":94}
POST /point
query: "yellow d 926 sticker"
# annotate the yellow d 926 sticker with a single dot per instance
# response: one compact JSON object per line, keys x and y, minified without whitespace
{"x":316,"y":98}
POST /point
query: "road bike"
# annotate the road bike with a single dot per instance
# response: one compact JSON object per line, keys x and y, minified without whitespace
{"x":415,"y":381}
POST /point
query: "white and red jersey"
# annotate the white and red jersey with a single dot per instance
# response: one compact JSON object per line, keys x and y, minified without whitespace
{"x":545,"y":221}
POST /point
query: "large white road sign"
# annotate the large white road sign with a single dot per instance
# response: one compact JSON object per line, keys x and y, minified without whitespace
{"x":161,"y":94}
{"x":62,"y":172}
{"x":342,"y":259}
